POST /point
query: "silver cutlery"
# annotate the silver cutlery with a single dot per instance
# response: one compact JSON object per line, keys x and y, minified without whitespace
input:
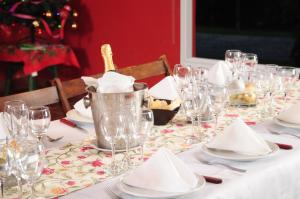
{"x":50,"y":139}
{"x":111,"y":194}
{"x":284,"y":133}
{"x":222,"y":164}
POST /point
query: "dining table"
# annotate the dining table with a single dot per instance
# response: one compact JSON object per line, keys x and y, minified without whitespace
{"x":77,"y":169}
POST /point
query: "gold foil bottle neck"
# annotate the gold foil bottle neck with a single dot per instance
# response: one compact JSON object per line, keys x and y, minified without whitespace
{"x":107,"y":58}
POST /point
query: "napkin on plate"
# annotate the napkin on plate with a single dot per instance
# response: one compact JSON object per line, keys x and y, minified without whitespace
{"x":165,"y":89}
{"x":291,"y":115}
{"x":162,"y":172}
{"x":80,"y":108}
{"x":219,"y":74}
{"x":240,"y":138}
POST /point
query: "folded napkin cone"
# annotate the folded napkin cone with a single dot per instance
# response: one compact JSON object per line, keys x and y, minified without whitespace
{"x":165,"y":89}
{"x":291,"y":115}
{"x":162,"y":172}
{"x":240,"y":138}
{"x":219,"y":74}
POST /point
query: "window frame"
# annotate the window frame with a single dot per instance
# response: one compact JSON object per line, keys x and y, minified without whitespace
{"x":186,"y":36}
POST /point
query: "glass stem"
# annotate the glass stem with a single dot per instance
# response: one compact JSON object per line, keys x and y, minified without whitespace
{"x":31,"y":194}
{"x":142,"y":154}
{"x":113,"y":162}
{"x":127,"y":151}
{"x":20,"y":188}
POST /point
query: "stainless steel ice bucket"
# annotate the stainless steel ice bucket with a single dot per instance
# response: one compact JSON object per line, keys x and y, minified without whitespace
{"x":113,"y":104}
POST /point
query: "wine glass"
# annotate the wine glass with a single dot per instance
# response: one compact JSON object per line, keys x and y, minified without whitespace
{"x":287,"y":77}
{"x":112,"y":127}
{"x":234,"y":57}
{"x":219,"y":96}
{"x":144,"y":130}
{"x":249,"y":61}
{"x":39,"y":120}
{"x":5,"y":164}
{"x":31,"y":162}
{"x":19,"y":121}
{"x":8,"y":105}
{"x":182,"y":76}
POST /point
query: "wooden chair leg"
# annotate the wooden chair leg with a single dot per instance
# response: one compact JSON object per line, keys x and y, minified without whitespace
{"x":8,"y":80}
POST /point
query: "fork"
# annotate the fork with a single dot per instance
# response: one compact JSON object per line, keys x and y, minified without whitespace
{"x":286,"y":133}
{"x":111,"y":194}
{"x":222,"y":164}
{"x":50,"y":139}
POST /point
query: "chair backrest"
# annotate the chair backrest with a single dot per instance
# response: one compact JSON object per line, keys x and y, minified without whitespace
{"x":45,"y":96}
{"x":72,"y":90}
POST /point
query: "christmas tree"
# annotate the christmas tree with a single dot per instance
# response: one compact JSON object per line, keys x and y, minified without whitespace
{"x":50,"y":16}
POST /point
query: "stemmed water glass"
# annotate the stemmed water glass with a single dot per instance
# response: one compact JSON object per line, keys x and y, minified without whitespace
{"x":234,"y":57}
{"x":31,"y":162}
{"x":112,"y":127}
{"x":19,"y":121}
{"x":5,"y":164}
{"x":182,"y":75}
{"x":219,"y":96}
{"x":145,"y":125}
{"x":287,"y":77}
{"x":249,"y":61}
{"x":8,"y":105}
{"x":39,"y":120}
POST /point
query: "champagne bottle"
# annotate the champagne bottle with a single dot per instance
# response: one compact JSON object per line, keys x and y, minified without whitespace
{"x":107,"y":58}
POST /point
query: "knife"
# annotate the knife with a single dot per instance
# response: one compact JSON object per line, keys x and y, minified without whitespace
{"x":72,"y":124}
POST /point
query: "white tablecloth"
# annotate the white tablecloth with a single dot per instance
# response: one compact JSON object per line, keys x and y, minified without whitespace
{"x":273,"y":177}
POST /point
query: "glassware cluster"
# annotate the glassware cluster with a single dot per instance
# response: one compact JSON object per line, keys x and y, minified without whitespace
{"x":22,"y":153}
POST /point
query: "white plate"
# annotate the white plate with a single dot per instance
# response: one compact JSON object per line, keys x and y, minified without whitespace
{"x":230,"y":155}
{"x":286,"y":124}
{"x":147,"y":193}
{"x":79,"y":119}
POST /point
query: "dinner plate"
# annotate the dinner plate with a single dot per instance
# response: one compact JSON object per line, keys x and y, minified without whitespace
{"x":286,"y":124}
{"x":77,"y":118}
{"x":230,"y":155}
{"x":148,"y":193}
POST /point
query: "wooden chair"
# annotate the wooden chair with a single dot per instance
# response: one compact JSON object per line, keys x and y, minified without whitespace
{"x":72,"y":90}
{"x":45,"y":96}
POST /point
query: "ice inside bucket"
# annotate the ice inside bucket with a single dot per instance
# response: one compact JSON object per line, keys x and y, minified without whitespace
{"x":114,"y":104}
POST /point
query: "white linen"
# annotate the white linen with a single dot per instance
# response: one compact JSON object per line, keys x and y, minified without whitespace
{"x":80,"y":108}
{"x":162,"y":172}
{"x":165,"y":89}
{"x":291,"y":115}
{"x":240,"y":138}
{"x":112,"y":82}
{"x":219,"y":74}
{"x":276,"y":177}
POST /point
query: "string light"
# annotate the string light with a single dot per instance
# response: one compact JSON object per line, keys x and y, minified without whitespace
{"x":75,"y":14}
{"x":35,"y":23}
{"x":74,"y":26}
{"x":48,"y":14}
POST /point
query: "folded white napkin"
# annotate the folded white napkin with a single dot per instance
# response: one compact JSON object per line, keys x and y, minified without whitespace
{"x":240,"y":138}
{"x":219,"y":74}
{"x":3,"y":129}
{"x":291,"y":115}
{"x":165,"y":89}
{"x":80,"y":108}
{"x":163,"y":172}
{"x":111,"y":82}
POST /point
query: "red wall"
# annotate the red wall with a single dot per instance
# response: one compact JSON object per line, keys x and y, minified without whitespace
{"x":138,"y":31}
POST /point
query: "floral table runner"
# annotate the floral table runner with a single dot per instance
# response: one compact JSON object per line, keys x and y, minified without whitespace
{"x":76,"y":166}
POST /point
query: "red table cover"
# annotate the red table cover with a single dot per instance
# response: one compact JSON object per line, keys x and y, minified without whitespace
{"x":38,"y":57}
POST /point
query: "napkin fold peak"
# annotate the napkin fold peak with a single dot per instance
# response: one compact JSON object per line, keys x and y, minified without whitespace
{"x":291,"y":115}
{"x":163,"y":172}
{"x":240,"y":138}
